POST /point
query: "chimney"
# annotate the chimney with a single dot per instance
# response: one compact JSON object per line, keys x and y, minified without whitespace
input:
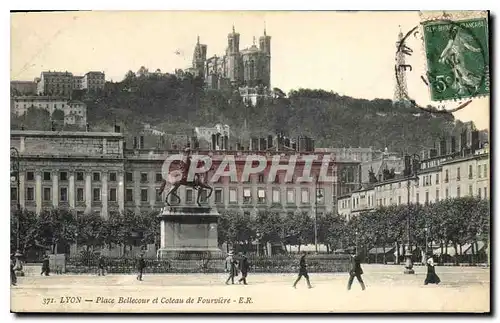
{"x":442,"y":147}
{"x":474,"y":140}
{"x":213,"y":141}
{"x":453,"y":145}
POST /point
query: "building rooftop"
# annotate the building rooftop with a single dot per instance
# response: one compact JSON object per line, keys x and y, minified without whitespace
{"x":37,"y":133}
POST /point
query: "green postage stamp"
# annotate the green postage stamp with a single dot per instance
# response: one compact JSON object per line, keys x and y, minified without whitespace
{"x":457,"y":58}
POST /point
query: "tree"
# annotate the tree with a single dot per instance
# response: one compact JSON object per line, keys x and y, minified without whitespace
{"x":57,"y":227}
{"x":91,"y":230}
{"x":299,"y":229}
{"x":270,"y":226}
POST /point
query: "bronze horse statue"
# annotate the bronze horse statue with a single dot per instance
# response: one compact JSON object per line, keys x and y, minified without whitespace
{"x":196,"y":184}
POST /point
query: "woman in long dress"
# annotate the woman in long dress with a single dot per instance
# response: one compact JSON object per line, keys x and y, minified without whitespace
{"x":432,"y":277}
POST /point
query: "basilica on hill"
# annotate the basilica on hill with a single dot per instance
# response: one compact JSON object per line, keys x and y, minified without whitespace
{"x":248,"y":70}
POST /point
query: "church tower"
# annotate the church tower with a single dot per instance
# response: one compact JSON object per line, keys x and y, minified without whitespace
{"x":199,"y":58}
{"x":265,"y":48}
{"x":233,"y":57}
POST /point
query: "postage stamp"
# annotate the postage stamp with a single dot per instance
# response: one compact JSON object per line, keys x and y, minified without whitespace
{"x":457,"y":58}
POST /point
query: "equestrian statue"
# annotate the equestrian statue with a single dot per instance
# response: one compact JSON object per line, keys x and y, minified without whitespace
{"x":177,"y":181}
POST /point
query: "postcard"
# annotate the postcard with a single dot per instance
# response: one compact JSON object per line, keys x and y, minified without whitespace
{"x":250,"y":162}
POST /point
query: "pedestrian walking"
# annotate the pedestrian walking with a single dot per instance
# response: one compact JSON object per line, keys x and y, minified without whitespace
{"x":13,"y":277}
{"x":231,"y":267}
{"x":244,"y":266}
{"x":141,"y":264}
{"x":100,"y":266}
{"x":45,"y":266}
{"x":303,"y":271}
{"x":432,"y":277}
{"x":355,"y":271}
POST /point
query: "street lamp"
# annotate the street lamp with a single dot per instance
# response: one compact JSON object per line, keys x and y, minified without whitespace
{"x":14,"y":177}
{"x":318,"y":196}
{"x":412,"y":168}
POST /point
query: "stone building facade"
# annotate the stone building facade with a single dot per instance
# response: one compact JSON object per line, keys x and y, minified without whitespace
{"x":94,"y":172}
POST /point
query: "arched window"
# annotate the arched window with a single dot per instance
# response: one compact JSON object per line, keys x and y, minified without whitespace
{"x":252,"y":70}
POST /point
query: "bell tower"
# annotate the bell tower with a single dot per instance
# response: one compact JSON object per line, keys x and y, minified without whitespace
{"x":233,"y":56}
{"x":265,"y":48}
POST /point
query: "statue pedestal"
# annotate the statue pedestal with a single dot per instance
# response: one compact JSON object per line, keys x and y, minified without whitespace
{"x":188,"y":233}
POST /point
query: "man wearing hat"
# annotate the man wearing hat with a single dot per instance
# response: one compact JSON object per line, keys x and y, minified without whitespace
{"x":244,"y":266}
{"x":100,"y":266}
{"x":141,"y":264}
{"x":45,"y":266}
{"x":355,"y":271}
{"x":303,"y":271}
{"x":231,"y":264}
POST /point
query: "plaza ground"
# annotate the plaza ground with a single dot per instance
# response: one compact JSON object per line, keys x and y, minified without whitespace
{"x":463,"y":289}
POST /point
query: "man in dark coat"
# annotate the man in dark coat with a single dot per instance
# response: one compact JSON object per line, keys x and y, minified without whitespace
{"x":100,"y":266}
{"x":46,"y":266}
{"x":13,"y":277}
{"x":141,"y":264}
{"x":231,"y":267}
{"x":355,"y":271}
{"x":303,"y":271}
{"x":244,"y":266}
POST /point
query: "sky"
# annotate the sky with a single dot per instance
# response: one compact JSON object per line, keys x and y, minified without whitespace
{"x":351,"y":53}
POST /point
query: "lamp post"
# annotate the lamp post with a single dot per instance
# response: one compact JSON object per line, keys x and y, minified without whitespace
{"x":14,"y":177}
{"x":426,"y":245}
{"x":412,"y":175}
{"x":318,"y":196}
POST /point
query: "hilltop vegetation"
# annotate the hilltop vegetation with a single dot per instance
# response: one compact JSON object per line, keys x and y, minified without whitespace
{"x":177,"y":105}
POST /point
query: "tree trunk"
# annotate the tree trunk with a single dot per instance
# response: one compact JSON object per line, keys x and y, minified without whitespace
{"x":397,"y":252}
{"x":456,"y":254}
{"x":442,"y":250}
{"x":383,"y":250}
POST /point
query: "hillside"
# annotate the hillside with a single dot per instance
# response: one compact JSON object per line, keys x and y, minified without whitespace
{"x":177,"y":105}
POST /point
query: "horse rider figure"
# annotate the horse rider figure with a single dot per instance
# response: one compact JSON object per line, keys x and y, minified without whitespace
{"x":185,"y":169}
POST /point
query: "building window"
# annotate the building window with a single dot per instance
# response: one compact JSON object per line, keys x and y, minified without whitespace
{"x":247,"y":195}
{"x":471,"y":192}
{"x":79,"y":176}
{"x":30,"y":176}
{"x":458,"y":191}
{"x":158,"y":195}
{"x":13,"y":193}
{"x":112,"y":194}
{"x":437,"y":195}
{"x":446,"y":176}
{"x":485,"y":170}
{"x":189,"y":196}
{"x":96,"y":194}
{"x":144,"y":177}
{"x":417,"y":198}
{"x":437,"y":178}
{"x":261,"y":195}
{"x":63,"y":176}
{"x":129,"y":196}
{"x":479,"y":192}
{"x":218,"y":195}
{"x":112,"y":177}
{"x":80,"y":197}
{"x":384,"y":201}
{"x":30,"y":194}
{"x":129,"y":177}
{"x":63,"y":194}
{"x":479,"y":171}
{"x":261,"y":178}
{"x":144,"y":195}
{"x":485,"y":193}
{"x":305,"y":196}
{"x":46,"y":194}
{"x":446,"y":193}
{"x":470,"y":171}
{"x":458,"y":173}
{"x":290,"y":195}
{"x":276,"y":195}
{"x":233,"y":198}
{"x":96,"y":176}
{"x":426,"y":197}
{"x":46,"y":176}
{"x":399,"y":184}
{"x":158,"y":177}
